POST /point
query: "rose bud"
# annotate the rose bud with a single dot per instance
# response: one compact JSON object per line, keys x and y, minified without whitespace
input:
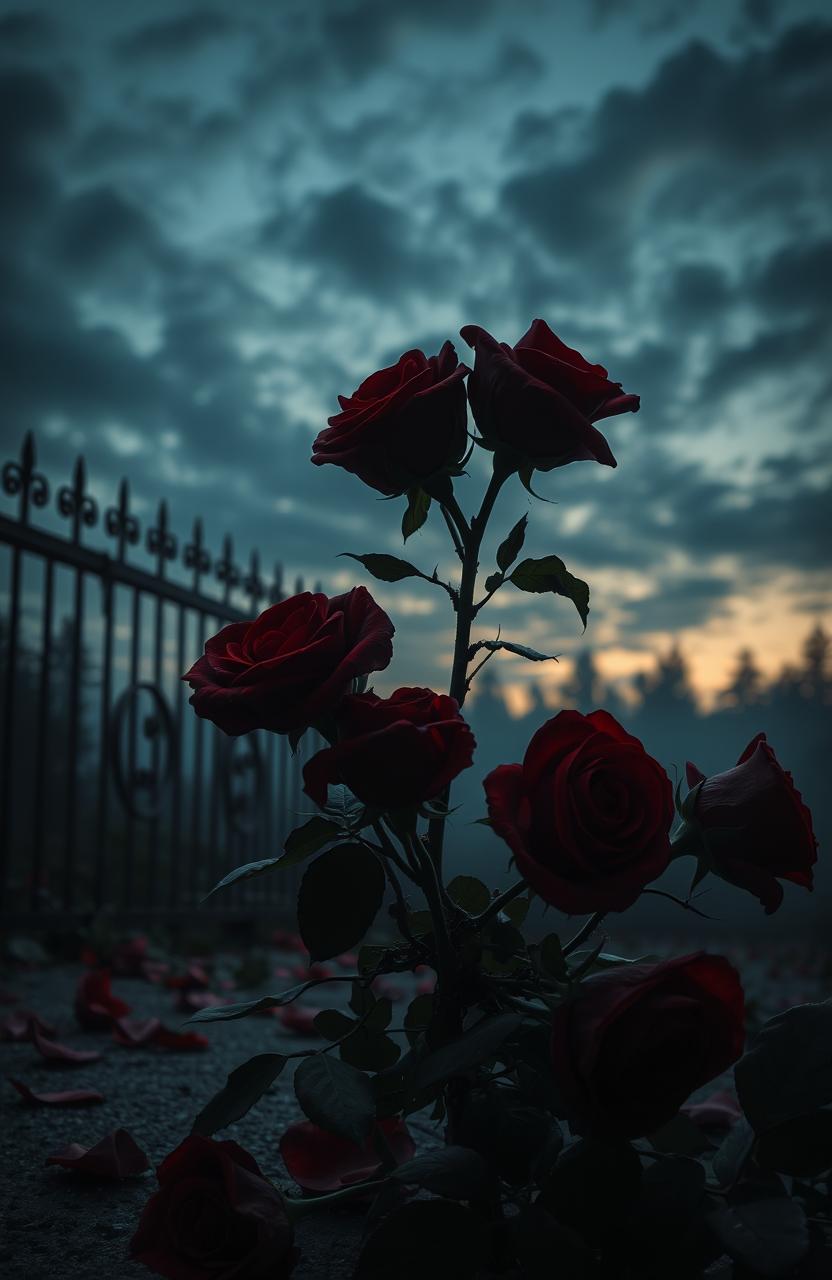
{"x":586,"y":815}
{"x":637,"y":1041}
{"x":536,"y":402}
{"x":749,"y":825}
{"x":403,"y":426}
{"x":214,"y":1214}
{"x":396,"y":752}
{"x":290,"y":668}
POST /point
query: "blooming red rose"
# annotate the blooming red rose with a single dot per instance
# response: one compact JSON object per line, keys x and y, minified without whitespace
{"x":639,"y":1039}
{"x":214,"y":1215}
{"x":320,"y":1161}
{"x":540,"y":398}
{"x":96,"y":1007}
{"x":292,"y":665}
{"x":393,"y":752}
{"x":752,"y":826}
{"x":403,"y":425}
{"x":586,"y":814}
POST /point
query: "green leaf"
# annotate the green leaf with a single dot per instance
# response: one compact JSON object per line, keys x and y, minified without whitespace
{"x":335,"y":1096}
{"x":456,"y":1172}
{"x":420,"y":923}
{"x":370,"y":957}
{"x":493,"y":581}
{"x":680,"y":1136}
{"x":361,"y":999}
{"x":418,"y":1016}
{"x":418,"y":505}
{"x":522,"y":650}
{"x":732,"y":1154}
{"x":245,"y":1086}
{"x":228,"y":1012}
{"x":332,"y":1024}
{"x":386,"y":568}
{"x":247,"y":872}
{"x":769,"y":1236}
{"x":343,"y":807}
{"x":551,"y":574}
{"x":308,"y":839}
{"x":370,"y":1050}
{"x":339,"y":898}
{"x":517,"y":910}
{"x":477,"y":1045}
{"x":786,"y":1070}
{"x":380,"y":1017}
{"x":508,"y":551}
{"x":469,"y":893}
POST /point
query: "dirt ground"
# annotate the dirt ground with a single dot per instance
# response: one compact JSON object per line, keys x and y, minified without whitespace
{"x":56,"y":1223}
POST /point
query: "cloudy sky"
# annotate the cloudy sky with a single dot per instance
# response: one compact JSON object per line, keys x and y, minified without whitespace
{"x":217,"y":217}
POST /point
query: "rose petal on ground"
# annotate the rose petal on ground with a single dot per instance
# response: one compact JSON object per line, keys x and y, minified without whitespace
{"x":349,"y":960}
{"x":96,"y":1006}
{"x":22,"y":1024}
{"x":193,"y":1001}
{"x":319,"y":1161}
{"x":62,"y":1053}
{"x":132,"y":1033}
{"x":193,"y":979}
{"x":116,"y":1156}
{"x":180,"y":1041}
{"x":64,"y":1098}
{"x":299,"y":1020}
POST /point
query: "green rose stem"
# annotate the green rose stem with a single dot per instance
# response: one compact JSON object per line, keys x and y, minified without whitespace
{"x":297,"y":1208}
{"x":583,"y":933}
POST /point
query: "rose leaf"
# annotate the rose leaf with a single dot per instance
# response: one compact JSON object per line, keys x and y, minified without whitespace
{"x":551,"y":574}
{"x":244,"y":1086}
{"x":339,"y":898}
{"x":335,"y":1096}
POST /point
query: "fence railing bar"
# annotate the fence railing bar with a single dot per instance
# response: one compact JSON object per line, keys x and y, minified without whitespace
{"x":71,"y":809}
{"x":100,"y":878}
{"x":39,"y":814}
{"x":175,"y":880}
{"x":9,"y":719}
{"x":132,"y":695}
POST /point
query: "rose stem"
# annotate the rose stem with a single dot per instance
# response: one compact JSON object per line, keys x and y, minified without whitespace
{"x":583,"y":933}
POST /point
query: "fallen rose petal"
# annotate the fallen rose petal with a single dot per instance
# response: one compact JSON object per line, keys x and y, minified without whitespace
{"x":193,"y":979}
{"x":64,"y":1098}
{"x":719,"y":1110}
{"x":22,"y":1025}
{"x":115,"y":1156}
{"x":286,"y":941}
{"x":132,"y":1033}
{"x":349,"y":960}
{"x":130,"y":956}
{"x":62,"y":1053}
{"x":193,"y":1001}
{"x":319,"y":1161}
{"x":299,"y":1020}
{"x":180,"y":1041}
{"x":89,"y":958}
{"x":155,"y":971}
{"x":282,"y":972}
{"x":95,"y":1005}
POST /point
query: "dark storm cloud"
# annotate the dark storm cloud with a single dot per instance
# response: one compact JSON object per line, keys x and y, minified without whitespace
{"x":700,"y":117}
{"x":26,"y":32}
{"x":173,"y":38}
{"x":686,"y":603}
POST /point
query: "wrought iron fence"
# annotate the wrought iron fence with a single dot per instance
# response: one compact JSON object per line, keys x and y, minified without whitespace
{"x":113,"y":794}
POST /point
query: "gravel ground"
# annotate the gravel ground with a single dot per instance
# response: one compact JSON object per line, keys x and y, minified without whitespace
{"x":59,"y":1223}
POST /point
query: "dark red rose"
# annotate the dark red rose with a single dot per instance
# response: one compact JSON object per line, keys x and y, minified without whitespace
{"x":214,"y":1215}
{"x":586,"y":814}
{"x":752,"y":826}
{"x":403,"y":425}
{"x":636,"y":1042}
{"x":96,"y":1007}
{"x":393,"y":752}
{"x":290,"y":667}
{"x":540,"y":398}
{"x":320,"y":1161}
